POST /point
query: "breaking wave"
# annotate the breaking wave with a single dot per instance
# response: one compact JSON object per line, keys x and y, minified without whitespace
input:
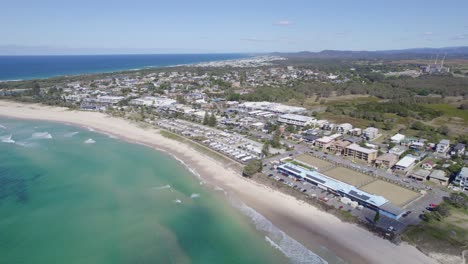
{"x":3,"y":127}
{"x":177,"y":201}
{"x":89,"y":141}
{"x":195,"y":195}
{"x":292,"y":249}
{"x":41,"y":135}
{"x":70,"y":134}
{"x":161,"y":187}
{"x":7,"y":139}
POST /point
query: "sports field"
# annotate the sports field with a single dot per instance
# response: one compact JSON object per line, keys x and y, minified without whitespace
{"x":394,"y":193}
{"x":313,"y":161}
{"x":349,"y":176}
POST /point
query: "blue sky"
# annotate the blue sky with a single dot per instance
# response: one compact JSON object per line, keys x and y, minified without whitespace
{"x":203,"y":26}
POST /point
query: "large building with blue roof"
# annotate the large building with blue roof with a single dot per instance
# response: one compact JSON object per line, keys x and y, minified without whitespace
{"x":374,"y":202}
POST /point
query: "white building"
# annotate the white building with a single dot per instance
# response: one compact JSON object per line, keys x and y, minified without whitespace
{"x":297,"y":120}
{"x":462,"y":179}
{"x":405,"y":164}
{"x":109,"y":99}
{"x":443,"y":146}
{"x":161,"y":101}
{"x":397,"y":138}
{"x":272,"y":107}
{"x":370,"y":133}
{"x":343,"y":128}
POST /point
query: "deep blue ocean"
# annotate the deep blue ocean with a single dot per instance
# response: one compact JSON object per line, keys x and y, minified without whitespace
{"x":35,"y":67}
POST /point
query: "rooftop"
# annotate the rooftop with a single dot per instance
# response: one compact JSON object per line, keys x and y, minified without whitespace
{"x":335,"y":184}
{"x":406,"y":161}
{"x":358,"y":148}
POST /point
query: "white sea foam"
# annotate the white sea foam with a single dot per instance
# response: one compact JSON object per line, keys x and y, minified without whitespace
{"x":177,"y":201}
{"x":195,"y":195}
{"x":161,"y":187}
{"x":7,"y":139}
{"x":70,"y":134}
{"x":89,"y":141}
{"x":41,"y":135}
{"x":292,"y":249}
{"x":2,"y":126}
{"x":90,"y":129}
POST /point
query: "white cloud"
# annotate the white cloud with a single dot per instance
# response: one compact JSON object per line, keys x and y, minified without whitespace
{"x":460,"y":37}
{"x":253,"y":39}
{"x":283,"y":23}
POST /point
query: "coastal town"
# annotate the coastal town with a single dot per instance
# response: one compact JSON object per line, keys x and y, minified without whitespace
{"x":384,"y":180}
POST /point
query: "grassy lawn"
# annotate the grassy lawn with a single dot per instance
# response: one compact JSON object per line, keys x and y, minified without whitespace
{"x":450,"y":111}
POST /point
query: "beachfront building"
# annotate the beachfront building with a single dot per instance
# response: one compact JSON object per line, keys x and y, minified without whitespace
{"x":462,"y":179}
{"x":357,"y":152}
{"x":405,"y":164}
{"x":297,"y":120}
{"x":374,"y":202}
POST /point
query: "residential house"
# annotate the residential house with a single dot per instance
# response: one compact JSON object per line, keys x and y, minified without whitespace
{"x":458,"y":149}
{"x":370,"y":133}
{"x":462,"y":179}
{"x":386,"y":160}
{"x":405,"y":164}
{"x":443,"y":146}
{"x":439,"y":176}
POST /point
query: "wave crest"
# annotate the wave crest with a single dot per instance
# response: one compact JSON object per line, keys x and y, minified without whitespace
{"x":41,"y":135}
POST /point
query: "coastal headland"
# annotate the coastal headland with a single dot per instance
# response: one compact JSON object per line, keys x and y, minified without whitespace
{"x":303,"y":222}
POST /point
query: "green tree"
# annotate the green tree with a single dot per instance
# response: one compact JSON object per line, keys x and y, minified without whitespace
{"x":206,"y":119}
{"x":377,"y":217}
{"x":212,"y":120}
{"x":266,"y":149}
{"x":252,"y":167}
{"x":275,"y":141}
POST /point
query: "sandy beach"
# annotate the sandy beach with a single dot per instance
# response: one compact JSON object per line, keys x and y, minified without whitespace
{"x":303,"y":222}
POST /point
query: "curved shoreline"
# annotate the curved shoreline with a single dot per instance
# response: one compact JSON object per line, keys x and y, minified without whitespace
{"x":305,"y":223}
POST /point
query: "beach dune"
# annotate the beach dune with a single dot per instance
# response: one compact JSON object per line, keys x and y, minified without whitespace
{"x":299,"y":220}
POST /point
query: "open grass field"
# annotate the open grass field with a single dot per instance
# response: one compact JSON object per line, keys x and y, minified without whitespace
{"x":349,"y":176}
{"x":450,"y":111}
{"x":313,"y":161}
{"x":394,"y":193}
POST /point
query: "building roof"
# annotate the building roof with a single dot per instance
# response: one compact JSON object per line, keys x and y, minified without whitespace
{"x":388,"y":157}
{"x":358,"y":148}
{"x":398,"y":137}
{"x":421,"y":173}
{"x":325,"y":139}
{"x":459,"y":146}
{"x":463,"y":172}
{"x":335,"y":184}
{"x":406,"y":161}
{"x":445,"y":142}
{"x":300,"y":118}
{"x":439,"y":175}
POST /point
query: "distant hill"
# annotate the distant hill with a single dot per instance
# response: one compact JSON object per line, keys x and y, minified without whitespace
{"x":416,"y":53}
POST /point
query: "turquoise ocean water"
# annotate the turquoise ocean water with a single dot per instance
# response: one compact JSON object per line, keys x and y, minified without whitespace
{"x":70,"y":195}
